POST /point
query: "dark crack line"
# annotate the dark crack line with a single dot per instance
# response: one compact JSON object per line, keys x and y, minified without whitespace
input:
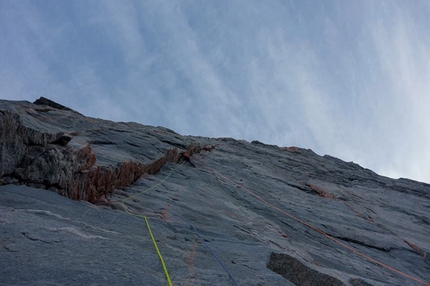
{"x":347,"y":239}
{"x":8,"y":249}
{"x":28,"y":236}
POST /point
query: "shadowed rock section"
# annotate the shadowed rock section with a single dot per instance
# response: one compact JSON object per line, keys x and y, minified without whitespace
{"x":358,"y":282}
{"x":298,"y":273}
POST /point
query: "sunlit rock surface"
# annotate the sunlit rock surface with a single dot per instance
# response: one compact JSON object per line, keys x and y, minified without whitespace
{"x":271,"y":215}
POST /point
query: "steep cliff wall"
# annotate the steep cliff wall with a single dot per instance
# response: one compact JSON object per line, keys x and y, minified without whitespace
{"x":36,"y":150}
{"x":248,"y":214}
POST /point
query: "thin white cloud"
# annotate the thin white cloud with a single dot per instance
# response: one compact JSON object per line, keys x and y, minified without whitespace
{"x":405,"y":59}
{"x":347,"y":79}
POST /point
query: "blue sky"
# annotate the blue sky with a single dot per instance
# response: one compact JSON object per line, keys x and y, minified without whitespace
{"x":346,"y":78}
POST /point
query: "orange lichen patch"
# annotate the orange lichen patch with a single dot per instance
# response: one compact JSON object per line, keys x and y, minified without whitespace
{"x":354,"y":210}
{"x":165,"y":211}
{"x":209,"y":148}
{"x":418,"y":250}
{"x":192,"y":254}
{"x":92,"y":182}
{"x":321,"y":192}
{"x":190,"y":263}
{"x":315,"y":262}
{"x":413,"y":246}
{"x":216,"y":177}
{"x":366,"y":217}
{"x":292,"y":149}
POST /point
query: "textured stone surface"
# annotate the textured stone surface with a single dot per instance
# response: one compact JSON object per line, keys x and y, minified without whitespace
{"x":257,"y":206}
{"x":50,"y":146}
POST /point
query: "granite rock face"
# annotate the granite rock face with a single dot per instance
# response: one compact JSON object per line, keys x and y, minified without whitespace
{"x":248,"y":214}
{"x":103,"y":155}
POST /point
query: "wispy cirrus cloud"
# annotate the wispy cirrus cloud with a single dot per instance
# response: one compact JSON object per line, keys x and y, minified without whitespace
{"x":349,"y":79}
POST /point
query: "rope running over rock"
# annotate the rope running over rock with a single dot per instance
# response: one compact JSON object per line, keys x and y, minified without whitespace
{"x":207,"y":246}
{"x":322,"y":232}
{"x":147,"y":223}
{"x":152,"y":236}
